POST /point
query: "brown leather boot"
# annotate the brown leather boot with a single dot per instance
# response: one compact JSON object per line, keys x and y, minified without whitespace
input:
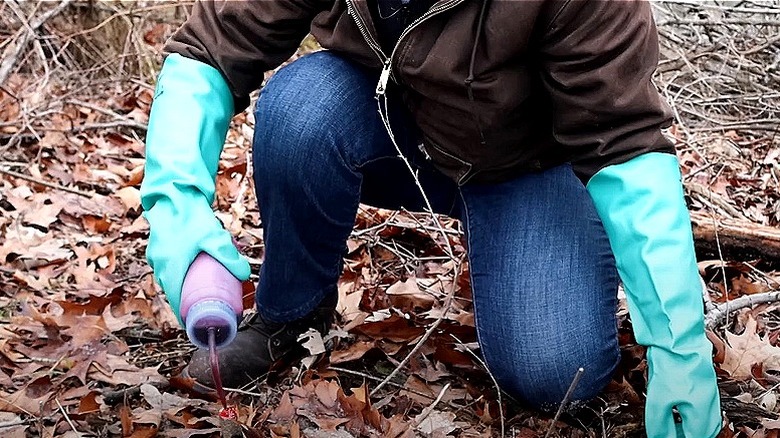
{"x":258,"y":345}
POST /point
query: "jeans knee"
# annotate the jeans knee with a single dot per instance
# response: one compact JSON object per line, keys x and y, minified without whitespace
{"x":542,"y":381}
{"x":307,"y":110}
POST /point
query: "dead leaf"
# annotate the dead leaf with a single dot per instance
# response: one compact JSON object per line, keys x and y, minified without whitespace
{"x":130,"y":197}
{"x":408,"y":297}
{"x":438,"y":422}
{"x":353,"y":352}
{"x":747,"y":349}
{"x":312,"y":342}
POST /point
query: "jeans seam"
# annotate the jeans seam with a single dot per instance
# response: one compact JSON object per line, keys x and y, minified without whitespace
{"x":480,"y":338}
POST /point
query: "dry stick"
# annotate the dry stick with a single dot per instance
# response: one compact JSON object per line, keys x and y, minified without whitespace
{"x":427,"y":411}
{"x":14,"y":423}
{"x":9,"y":61}
{"x":67,"y":418}
{"x":45,"y":183}
{"x":714,"y":198}
{"x":106,"y":125}
{"x":720,"y":22}
{"x":492,"y":377}
{"x":384,"y":115}
{"x":565,"y":401}
{"x":397,"y":385}
{"x":97,"y":108}
{"x":722,"y":263}
{"x":714,"y":317}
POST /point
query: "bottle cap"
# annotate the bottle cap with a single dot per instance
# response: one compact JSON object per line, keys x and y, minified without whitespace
{"x":211,"y":313}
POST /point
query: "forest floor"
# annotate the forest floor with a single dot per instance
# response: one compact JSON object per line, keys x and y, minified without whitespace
{"x":89,"y":347}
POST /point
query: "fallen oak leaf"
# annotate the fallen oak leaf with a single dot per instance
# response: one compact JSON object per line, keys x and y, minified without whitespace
{"x":747,"y":349}
{"x":95,"y":224}
{"x":114,"y":324}
{"x":353,"y":352}
{"x":130,"y":197}
{"x":394,"y":328}
{"x":407,"y":296}
{"x":436,"y":422}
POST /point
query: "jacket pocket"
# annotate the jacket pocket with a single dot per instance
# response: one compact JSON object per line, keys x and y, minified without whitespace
{"x":456,"y":168}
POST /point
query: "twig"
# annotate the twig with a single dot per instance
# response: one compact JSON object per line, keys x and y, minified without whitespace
{"x":397,"y":385}
{"x":721,"y":22}
{"x":107,"y":125}
{"x":427,"y":411}
{"x":492,"y":377}
{"x":566,"y":398}
{"x":97,"y":108}
{"x":385,"y":117}
{"x":45,"y":183}
{"x":13,"y":423}
{"x":722,"y":263}
{"x":111,"y":398}
{"x":714,"y":317}
{"x":10,"y":60}
{"x":714,"y":198}
{"x":67,"y":418}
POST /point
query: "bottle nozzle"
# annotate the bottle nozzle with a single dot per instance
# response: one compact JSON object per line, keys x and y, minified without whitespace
{"x":207,"y":314}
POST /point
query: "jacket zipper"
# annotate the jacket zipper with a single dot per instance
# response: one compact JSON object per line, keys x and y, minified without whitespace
{"x":372,"y":43}
{"x":387,"y":67}
{"x":387,"y":62}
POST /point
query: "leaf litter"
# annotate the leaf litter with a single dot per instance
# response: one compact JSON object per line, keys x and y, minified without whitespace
{"x":89,"y":346}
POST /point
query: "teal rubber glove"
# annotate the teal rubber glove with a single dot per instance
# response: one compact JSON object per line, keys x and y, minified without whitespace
{"x":643,"y":210}
{"x":188,"y":124}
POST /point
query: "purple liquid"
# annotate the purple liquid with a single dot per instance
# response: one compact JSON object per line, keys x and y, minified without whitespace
{"x":214,"y":360}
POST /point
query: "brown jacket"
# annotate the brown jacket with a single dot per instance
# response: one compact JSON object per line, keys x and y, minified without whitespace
{"x":551,"y":80}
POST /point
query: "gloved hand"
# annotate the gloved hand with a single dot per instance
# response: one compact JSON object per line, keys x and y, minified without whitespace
{"x":188,"y":123}
{"x":641,"y":205}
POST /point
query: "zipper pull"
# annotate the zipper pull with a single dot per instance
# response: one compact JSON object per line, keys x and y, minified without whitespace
{"x":384,"y":77}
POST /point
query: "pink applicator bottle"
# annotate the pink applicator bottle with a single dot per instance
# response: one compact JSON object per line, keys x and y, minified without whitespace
{"x":210,"y":298}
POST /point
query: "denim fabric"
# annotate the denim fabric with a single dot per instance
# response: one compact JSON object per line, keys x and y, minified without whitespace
{"x":543,"y":276}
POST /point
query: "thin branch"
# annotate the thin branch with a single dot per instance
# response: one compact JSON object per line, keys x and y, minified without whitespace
{"x":492,"y":377}
{"x":45,"y":183}
{"x":566,"y":399}
{"x":9,"y":61}
{"x":107,"y":125}
{"x":14,"y":423}
{"x":67,"y":418}
{"x":427,"y":411}
{"x":720,"y":312}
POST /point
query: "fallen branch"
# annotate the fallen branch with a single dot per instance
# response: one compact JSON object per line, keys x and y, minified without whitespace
{"x":112,"y":398}
{"x":566,"y":398}
{"x":44,"y":183}
{"x":492,"y":377}
{"x":67,"y":418}
{"x":739,"y":239}
{"x":14,"y":423}
{"x":719,"y":311}
{"x":106,"y":125}
{"x":427,"y":411}
{"x":394,"y":384}
{"x":10,"y":60}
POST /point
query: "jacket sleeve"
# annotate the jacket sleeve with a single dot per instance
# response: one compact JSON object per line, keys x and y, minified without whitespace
{"x":598,"y":58}
{"x":244,"y":38}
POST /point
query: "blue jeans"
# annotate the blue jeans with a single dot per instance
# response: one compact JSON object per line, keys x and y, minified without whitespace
{"x":543,"y":276}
